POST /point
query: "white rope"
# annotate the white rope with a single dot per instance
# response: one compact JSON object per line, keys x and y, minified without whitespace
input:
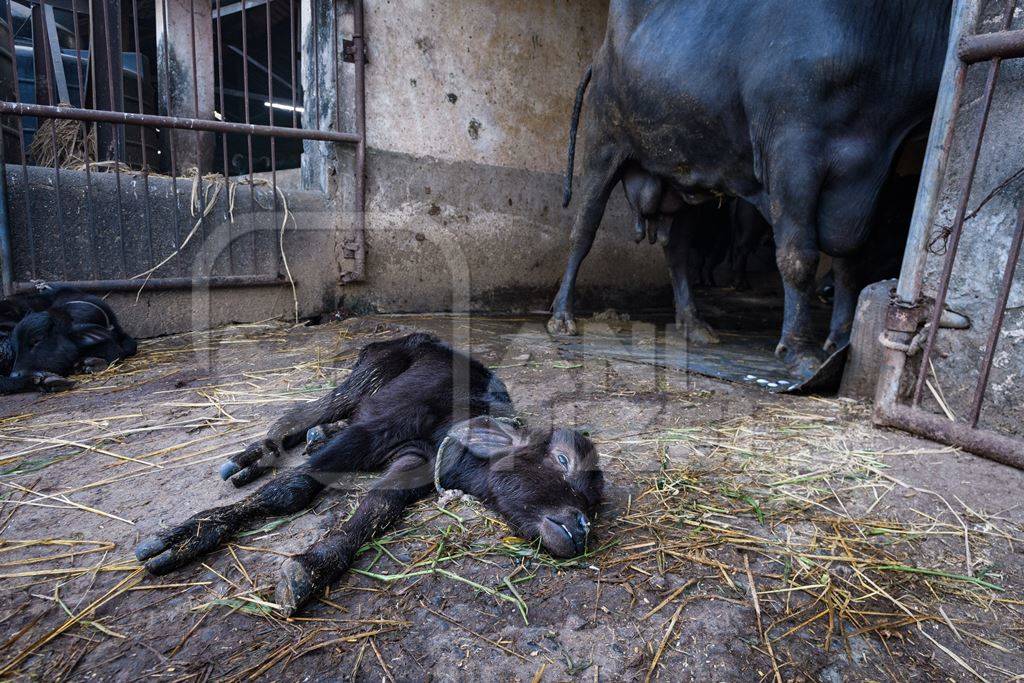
{"x":446,"y":496}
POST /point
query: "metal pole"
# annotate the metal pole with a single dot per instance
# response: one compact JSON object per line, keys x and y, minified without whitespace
{"x":6,"y":265}
{"x":966,"y":14}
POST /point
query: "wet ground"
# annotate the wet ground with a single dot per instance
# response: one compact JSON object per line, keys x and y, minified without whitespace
{"x":746,"y":536}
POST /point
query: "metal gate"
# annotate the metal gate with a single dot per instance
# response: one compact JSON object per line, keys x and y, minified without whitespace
{"x":63,"y":61}
{"x":910,"y":310}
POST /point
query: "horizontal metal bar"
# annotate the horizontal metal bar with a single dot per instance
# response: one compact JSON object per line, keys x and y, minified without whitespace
{"x":163,"y":283}
{"x":152,"y":120}
{"x":988,"y":444}
{"x":985,"y":46}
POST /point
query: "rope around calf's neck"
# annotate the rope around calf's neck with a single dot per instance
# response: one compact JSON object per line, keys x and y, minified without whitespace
{"x":446,"y":496}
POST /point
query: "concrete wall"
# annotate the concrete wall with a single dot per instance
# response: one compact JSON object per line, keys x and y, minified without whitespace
{"x":468,"y":109}
{"x":983,"y":251}
{"x":83,"y":229}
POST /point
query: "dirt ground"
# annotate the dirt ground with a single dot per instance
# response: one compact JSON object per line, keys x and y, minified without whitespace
{"x":745,"y":536}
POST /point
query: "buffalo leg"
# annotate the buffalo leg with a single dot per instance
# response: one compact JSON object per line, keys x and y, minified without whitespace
{"x":844,"y":303}
{"x":600,"y":177}
{"x":408,"y":479}
{"x":687,"y":319}
{"x":848,"y":205}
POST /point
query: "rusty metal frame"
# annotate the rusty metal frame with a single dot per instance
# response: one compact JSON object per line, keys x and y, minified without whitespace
{"x":966,"y":48}
{"x":117,"y":120}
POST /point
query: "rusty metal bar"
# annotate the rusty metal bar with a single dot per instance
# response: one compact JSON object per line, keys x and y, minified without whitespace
{"x":224,"y":138}
{"x":6,"y":253}
{"x":115,"y":97}
{"x":248,"y":139}
{"x":93,"y":268}
{"x":199,"y":140}
{"x":49,"y":31}
{"x":273,"y":140}
{"x":173,"y":122}
{"x":142,"y":130}
{"x":998,"y":45}
{"x":988,"y":444}
{"x":961,"y":212}
{"x":997,"y":319}
{"x":359,"y":58}
{"x":164,"y":283}
{"x":21,"y":146}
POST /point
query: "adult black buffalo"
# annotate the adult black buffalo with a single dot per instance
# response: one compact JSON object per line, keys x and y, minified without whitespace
{"x":797,"y":107}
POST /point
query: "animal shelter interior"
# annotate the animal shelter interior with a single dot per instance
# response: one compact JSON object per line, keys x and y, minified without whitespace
{"x":739,"y":326}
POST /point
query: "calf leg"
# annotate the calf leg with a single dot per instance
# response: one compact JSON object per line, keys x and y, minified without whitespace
{"x":290,"y":492}
{"x":408,"y":479}
{"x":687,"y":319}
{"x":601,"y":174}
{"x":371,"y":372}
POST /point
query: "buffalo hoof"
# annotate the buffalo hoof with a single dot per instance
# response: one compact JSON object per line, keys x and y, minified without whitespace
{"x":47,"y":381}
{"x":801,"y":362}
{"x":836,"y":341}
{"x":562,"y":324}
{"x":698,"y":332}
{"x":295,"y":588}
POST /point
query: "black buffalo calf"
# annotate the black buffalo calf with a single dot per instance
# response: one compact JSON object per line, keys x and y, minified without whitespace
{"x":430,"y":417}
{"x":47,"y":335}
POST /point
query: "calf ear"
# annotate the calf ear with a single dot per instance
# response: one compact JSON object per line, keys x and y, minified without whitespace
{"x":488,"y":438}
{"x":85,"y":335}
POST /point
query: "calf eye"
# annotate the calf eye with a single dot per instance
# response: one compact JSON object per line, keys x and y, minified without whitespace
{"x":563,"y":461}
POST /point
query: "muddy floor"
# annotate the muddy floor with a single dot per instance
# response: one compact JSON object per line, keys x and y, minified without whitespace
{"x":746,"y":536}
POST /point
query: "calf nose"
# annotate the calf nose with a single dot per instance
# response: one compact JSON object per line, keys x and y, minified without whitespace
{"x":574,"y":526}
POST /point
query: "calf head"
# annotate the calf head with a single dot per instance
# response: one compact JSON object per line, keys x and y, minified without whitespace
{"x":547,"y":485}
{"x":50,"y":342}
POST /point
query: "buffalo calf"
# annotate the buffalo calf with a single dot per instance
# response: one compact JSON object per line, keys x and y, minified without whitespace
{"x":48,"y":335}
{"x":430,"y":418}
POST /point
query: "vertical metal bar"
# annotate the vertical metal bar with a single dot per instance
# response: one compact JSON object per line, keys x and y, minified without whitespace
{"x":291,"y":58}
{"x":85,"y":144}
{"x":142,"y":132}
{"x":359,"y":48}
{"x":273,"y":140}
{"x":335,"y":58}
{"x":224,"y":143}
{"x":49,"y":68}
{"x":248,"y":138}
{"x":998,"y":314}
{"x":34,"y":268}
{"x":313,"y":16}
{"x":170,"y":133}
{"x":199,"y":153}
{"x":116,"y":138}
{"x":964,"y":20}
{"x":958,"y":222}
{"x":6,"y":253}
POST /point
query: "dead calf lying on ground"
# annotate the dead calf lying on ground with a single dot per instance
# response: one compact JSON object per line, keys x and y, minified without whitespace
{"x":47,"y":335}
{"x":430,"y":417}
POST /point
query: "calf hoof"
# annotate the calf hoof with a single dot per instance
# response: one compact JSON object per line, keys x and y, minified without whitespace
{"x":315,"y":437}
{"x":93,"y":365}
{"x":295,"y":588}
{"x":47,"y":381}
{"x":698,"y":332}
{"x":562,"y":324}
